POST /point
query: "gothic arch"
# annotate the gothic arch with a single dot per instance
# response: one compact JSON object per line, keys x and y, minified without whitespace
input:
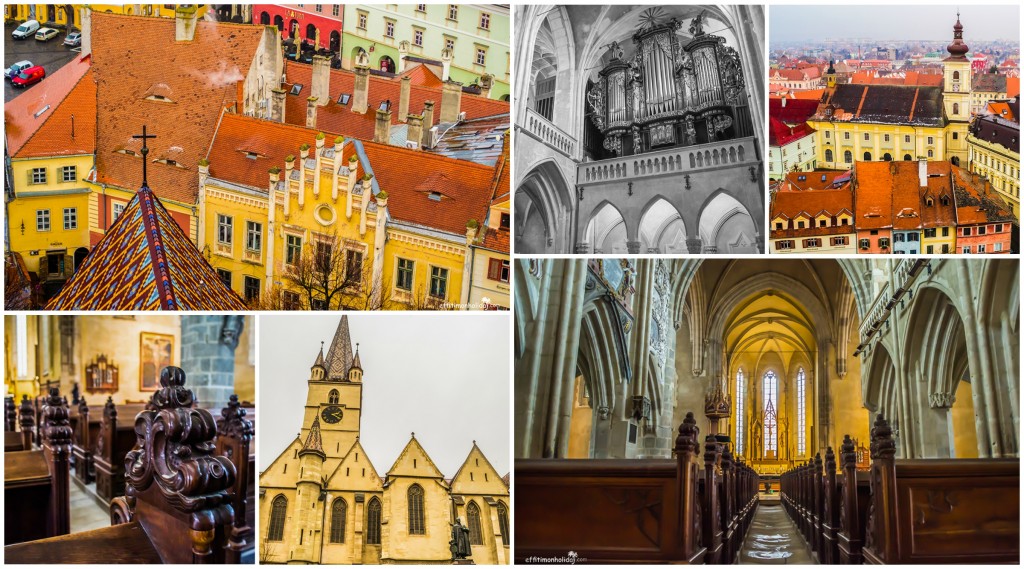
{"x":597,"y":231}
{"x":657,"y":217}
{"x":879,"y":367}
{"x":554,"y":56}
{"x":729,"y":207}
{"x":543,"y":206}
{"x":278,"y":515}
{"x":417,"y":512}
{"x":339,"y":513}
{"x":473,"y":522}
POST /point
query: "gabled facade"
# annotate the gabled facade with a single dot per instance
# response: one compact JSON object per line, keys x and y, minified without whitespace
{"x":322,"y":501}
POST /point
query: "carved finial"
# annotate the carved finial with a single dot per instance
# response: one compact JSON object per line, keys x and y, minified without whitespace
{"x":234,"y":423}
{"x":172,"y":393}
{"x":56,"y":424}
{"x":688,"y":431}
{"x":882,"y":443}
{"x":109,"y":409}
{"x":830,"y":461}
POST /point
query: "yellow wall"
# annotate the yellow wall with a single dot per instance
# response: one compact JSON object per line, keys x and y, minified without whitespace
{"x":580,"y":424}
{"x":938,"y":241}
{"x":426,"y":254}
{"x":965,"y":437}
{"x":876,"y":144}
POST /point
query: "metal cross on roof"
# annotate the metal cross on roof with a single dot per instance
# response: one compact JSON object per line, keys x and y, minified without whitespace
{"x":145,"y":151}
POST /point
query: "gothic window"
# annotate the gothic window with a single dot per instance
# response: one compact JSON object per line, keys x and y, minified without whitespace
{"x":770,"y":393}
{"x":416,"y":525}
{"x":277,"y":513}
{"x":332,"y":397}
{"x":338,"y":513}
{"x":801,"y":386}
{"x":373,"y":522}
{"x":473,"y":519}
{"x":503,"y":523}
{"x":741,"y":388}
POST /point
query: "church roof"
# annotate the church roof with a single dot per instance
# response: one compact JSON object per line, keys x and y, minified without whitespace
{"x":339,"y":356}
{"x":320,"y":357}
{"x":313,"y":442}
{"x":885,"y":104}
{"x":145,"y":262}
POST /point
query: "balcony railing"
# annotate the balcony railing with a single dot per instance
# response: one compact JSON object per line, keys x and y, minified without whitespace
{"x":686,"y":159}
{"x":550,"y":134}
{"x":890,"y":295}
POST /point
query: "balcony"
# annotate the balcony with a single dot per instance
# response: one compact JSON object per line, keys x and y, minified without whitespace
{"x":891,"y":294}
{"x":678,"y":160}
{"x":542,"y":129}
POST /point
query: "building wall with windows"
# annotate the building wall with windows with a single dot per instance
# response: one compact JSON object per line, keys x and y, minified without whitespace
{"x":797,"y":155}
{"x":1000,"y":164}
{"x":59,"y":13}
{"x":872,"y":142}
{"x":477,"y":34}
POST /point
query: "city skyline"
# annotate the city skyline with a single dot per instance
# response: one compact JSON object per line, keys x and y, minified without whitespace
{"x":902,"y":23}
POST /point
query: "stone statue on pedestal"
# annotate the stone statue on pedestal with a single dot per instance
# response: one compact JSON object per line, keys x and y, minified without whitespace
{"x":459,"y":544}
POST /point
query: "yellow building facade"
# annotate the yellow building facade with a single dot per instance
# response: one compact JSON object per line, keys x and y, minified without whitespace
{"x":322,"y":501}
{"x":840,"y":144}
{"x":998,"y":162}
{"x":63,"y":14}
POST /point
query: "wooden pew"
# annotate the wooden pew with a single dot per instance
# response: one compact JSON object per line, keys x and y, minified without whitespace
{"x":86,"y":428}
{"x":177,"y":505}
{"x":36,"y":482}
{"x":854,"y":491}
{"x":940,"y":510}
{"x":234,"y":435}
{"x":27,"y":422}
{"x":116,"y":437}
{"x":642,"y":511}
{"x":10,"y":414}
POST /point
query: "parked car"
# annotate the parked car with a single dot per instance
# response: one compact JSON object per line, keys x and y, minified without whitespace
{"x":25,"y":30}
{"x":74,"y":39}
{"x":29,"y":76}
{"x":46,"y":34}
{"x":17,"y":68}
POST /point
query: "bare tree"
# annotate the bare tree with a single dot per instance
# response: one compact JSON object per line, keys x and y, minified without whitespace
{"x":18,"y":289}
{"x":267,"y":551}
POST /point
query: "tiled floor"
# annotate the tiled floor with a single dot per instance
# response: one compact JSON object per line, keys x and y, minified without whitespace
{"x":773,"y":538}
{"x":85,"y":513}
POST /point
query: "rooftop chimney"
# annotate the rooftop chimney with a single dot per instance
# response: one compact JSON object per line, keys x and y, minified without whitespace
{"x":415,"y":134}
{"x":922,"y":172}
{"x":446,"y":63}
{"x":361,"y":90}
{"x":451,"y":101}
{"x":185,"y":23}
{"x":277,"y":104}
{"x":382,"y":130}
{"x":321,"y":79}
{"x":403,"y":51}
{"x":86,"y":20}
{"x":403,"y":101}
{"x":311,"y":112}
{"x":428,"y":122}
{"x":486,"y":82}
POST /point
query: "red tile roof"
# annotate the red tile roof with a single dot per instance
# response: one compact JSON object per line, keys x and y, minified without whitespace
{"x":792,"y":111}
{"x":422,"y":76}
{"x":790,"y":204}
{"x":907,"y":78}
{"x":976,"y":201}
{"x":408,"y":176}
{"x":1013,"y":86}
{"x":779,"y":134}
{"x":200,"y":77}
{"x":873,"y":207}
{"x":38,"y":122}
{"x":340,"y":118}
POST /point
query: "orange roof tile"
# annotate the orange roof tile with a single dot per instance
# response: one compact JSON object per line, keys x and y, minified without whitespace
{"x":27,"y":119}
{"x":465,"y":187}
{"x":340,"y":118}
{"x":873,"y":207}
{"x":1012,"y":86}
{"x":422,"y":76}
{"x":200,"y":77}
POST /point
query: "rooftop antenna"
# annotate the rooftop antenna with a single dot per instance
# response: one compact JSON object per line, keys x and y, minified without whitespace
{"x":145,"y":151}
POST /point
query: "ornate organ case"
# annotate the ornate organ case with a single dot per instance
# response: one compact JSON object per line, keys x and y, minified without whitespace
{"x":669,"y":93}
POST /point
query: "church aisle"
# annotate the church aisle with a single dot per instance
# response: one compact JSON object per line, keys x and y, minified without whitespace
{"x":86,"y":514}
{"x":773,"y":538}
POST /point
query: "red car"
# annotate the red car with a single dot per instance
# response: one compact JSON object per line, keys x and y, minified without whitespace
{"x":29,"y":76}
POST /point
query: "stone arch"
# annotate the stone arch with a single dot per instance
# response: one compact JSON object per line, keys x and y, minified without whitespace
{"x":553,"y":57}
{"x":880,"y":368}
{"x":543,"y":211}
{"x":657,"y":219}
{"x":606,"y":230}
{"x":279,"y":24}
{"x":335,"y":41}
{"x":720,"y":211}
{"x":265,"y":18}
{"x":385,"y":63}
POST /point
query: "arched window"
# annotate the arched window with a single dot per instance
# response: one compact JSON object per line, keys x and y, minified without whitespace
{"x":503,"y":523}
{"x":907,"y":157}
{"x":277,"y":514}
{"x":801,"y":420}
{"x":332,"y":397}
{"x":887,"y":157}
{"x":373,"y":522}
{"x":338,"y":512}
{"x":956,"y":76}
{"x":416,"y":525}
{"x":867,"y":157}
{"x":741,"y":404}
{"x":956,"y":108}
{"x":848,"y":157}
{"x":828,"y":155}
{"x":473,"y":520}
{"x":770,"y":394}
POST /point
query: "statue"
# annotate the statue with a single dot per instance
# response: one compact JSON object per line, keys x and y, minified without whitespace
{"x":697,"y":25}
{"x":638,"y":140}
{"x":459,"y":544}
{"x":691,"y":131}
{"x":595,"y":98}
{"x":75,"y":394}
{"x":615,"y":49}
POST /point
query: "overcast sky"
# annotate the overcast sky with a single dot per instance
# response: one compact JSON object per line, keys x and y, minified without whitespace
{"x":445,"y":377}
{"x":800,"y":23}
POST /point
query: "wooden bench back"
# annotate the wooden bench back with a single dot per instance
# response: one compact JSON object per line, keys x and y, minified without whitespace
{"x":234,"y":438}
{"x":610,"y":511}
{"x":178,"y":489}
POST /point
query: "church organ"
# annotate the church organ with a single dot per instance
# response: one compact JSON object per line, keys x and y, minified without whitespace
{"x":672,"y":92}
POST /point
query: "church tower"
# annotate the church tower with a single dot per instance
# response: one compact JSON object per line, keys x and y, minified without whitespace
{"x":335,"y":395}
{"x":830,"y":75}
{"x":308,"y":489}
{"x":956,"y":96}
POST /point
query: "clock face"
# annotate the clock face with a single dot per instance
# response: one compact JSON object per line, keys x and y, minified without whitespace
{"x":331,"y":414}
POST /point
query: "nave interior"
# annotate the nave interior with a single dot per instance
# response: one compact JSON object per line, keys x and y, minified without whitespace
{"x":880,"y":383}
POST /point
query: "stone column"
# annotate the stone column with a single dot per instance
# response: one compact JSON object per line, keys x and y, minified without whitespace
{"x":208,"y":346}
{"x":567,"y":342}
{"x":694,"y":245}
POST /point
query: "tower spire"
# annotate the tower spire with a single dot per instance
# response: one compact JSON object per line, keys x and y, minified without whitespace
{"x":339,"y":356}
{"x":314,"y":443}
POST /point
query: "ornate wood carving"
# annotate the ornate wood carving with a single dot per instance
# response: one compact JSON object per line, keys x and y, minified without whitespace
{"x":57,"y":448}
{"x":10,"y":414}
{"x":101,"y":376}
{"x":235,"y":434}
{"x":27,"y":422}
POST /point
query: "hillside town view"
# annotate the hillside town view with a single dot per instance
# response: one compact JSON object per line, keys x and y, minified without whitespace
{"x":888,"y":144}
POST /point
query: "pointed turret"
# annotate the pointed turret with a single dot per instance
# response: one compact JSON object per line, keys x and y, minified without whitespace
{"x":314,"y":444}
{"x":318,"y":372}
{"x":355,"y":373}
{"x":339,"y":356}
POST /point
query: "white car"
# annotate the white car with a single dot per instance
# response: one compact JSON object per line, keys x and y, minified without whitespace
{"x":17,"y":68}
{"x":46,"y":34}
{"x":25,"y":30}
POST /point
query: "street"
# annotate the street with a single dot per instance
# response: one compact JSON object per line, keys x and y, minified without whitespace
{"x":52,"y":55}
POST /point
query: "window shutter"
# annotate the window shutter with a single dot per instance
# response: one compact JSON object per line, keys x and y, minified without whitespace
{"x":494,"y":269}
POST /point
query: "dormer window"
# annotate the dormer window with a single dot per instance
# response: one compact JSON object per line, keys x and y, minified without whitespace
{"x":127,"y":151}
{"x":296,"y":89}
{"x":159,"y":98}
{"x":944,"y":200}
{"x":929,"y":202}
{"x":343,"y":98}
{"x":506,"y":221}
{"x":436,"y":196}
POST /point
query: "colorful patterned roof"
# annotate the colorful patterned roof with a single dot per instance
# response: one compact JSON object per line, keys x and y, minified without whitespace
{"x":145,"y":262}
{"x":313,"y":441}
{"x":339,"y":356}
